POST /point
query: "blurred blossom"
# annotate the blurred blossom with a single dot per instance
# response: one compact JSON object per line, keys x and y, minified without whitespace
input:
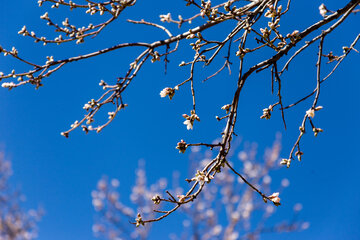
{"x":111,"y":211}
{"x":101,"y":195}
{"x":226,"y":208}
{"x":270,"y":209}
{"x":178,"y":191}
{"x":186,"y":223}
{"x":115,"y":183}
{"x":285,"y":182}
{"x":98,"y":204}
{"x":234,"y":236}
{"x":93,"y":193}
{"x":248,"y":206}
{"x":242,"y":156}
{"x":246,"y":214}
{"x":162,"y":183}
{"x":210,"y":213}
{"x":220,"y":176}
{"x":195,"y":149}
{"x":128,"y":211}
{"x":305,"y":225}
{"x":15,"y":223}
{"x":267,"y":179}
{"x":235,"y":216}
{"x":248,"y":166}
{"x":205,"y":162}
{"x":298,"y":207}
{"x":200,"y":207}
{"x":235,"y":199}
{"x":146,"y":209}
{"x":113,"y":197}
{"x":102,"y":184}
{"x":217,"y":230}
{"x":98,"y":228}
{"x":216,"y":141}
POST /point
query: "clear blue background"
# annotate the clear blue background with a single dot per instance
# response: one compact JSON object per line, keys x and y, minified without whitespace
{"x":60,"y":173}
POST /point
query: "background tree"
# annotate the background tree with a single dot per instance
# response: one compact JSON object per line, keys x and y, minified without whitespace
{"x":246,"y":40}
{"x":15,"y":222}
{"x":228,"y":210}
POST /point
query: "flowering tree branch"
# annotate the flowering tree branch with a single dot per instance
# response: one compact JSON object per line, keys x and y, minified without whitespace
{"x":245,"y":18}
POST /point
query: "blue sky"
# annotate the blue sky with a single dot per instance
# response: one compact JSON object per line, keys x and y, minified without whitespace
{"x":60,"y":173}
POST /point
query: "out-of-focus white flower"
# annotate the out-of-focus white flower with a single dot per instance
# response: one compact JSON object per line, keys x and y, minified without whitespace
{"x":235,"y":216}
{"x":98,"y":204}
{"x":234,"y":236}
{"x":113,"y":197}
{"x":242,"y":156}
{"x":186,"y":223}
{"x":285,"y":182}
{"x":269,"y":209}
{"x":210,"y":213}
{"x":195,"y":149}
{"x":102,"y":184}
{"x":115,"y":183}
{"x":298,"y":207}
{"x":98,"y":228}
{"x":305,"y":225}
{"x":216,"y":230}
{"x":267,"y":179}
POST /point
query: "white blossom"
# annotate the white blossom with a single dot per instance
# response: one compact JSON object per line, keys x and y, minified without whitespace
{"x":275,"y":198}
{"x":201,"y":177}
{"x":86,"y":106}
{"x":322,"y":10}
{"x":45,"y":16}
{"x":167,"y":92}
{"x":310,"y":113}
{"x":8,"y":85}
{"x":165,"y":18}
{"x":189,"y":124}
